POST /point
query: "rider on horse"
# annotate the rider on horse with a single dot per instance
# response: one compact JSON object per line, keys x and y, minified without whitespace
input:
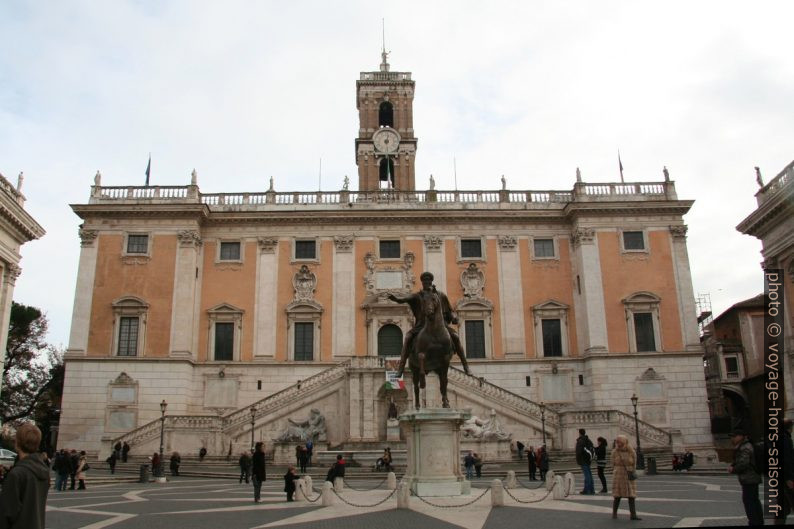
{"x":415,"y":302}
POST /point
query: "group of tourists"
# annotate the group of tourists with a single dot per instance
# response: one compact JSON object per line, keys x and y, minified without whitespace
{"x":70,"y":466}
{"x":538,"y":460}
{"x":473,"y":464}
{"x":683,"y":462}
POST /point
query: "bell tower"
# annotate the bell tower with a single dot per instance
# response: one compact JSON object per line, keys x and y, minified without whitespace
{"x":385,"y":146}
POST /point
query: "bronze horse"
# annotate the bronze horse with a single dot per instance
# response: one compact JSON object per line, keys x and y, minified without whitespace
{"x":432,"y":349}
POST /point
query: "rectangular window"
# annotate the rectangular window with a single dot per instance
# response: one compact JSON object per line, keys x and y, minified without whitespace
{"x":128,"y":336}
{"x":475,"y":339}
{"x":137,"y":243}
{"x":305,"y":250}
{"x":731,"y":367}
{"x":304,"y":341}
{"x":224,"y":341}
{"x":643,"y":330}
{"x":544,"y":247}
{"x":470,"y":248}
{"x":389,"y":249}
{"x":230,"y":251}
{"x":633,"y":240}
{"x":552,"y":338}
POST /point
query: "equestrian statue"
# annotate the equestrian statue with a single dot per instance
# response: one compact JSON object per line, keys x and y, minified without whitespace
{"x":431,"y":342}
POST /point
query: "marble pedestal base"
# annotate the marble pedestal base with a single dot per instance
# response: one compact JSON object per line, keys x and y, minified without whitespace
{"x":392,"y":430}
{"x":432,"y":436}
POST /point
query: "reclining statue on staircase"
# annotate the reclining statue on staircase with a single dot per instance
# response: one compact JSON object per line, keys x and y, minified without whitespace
{"x":312,"y":428}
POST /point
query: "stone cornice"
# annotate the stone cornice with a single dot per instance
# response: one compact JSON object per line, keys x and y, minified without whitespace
{"x":24,"y":227}
{"x":141,"y":209}
{"x":769,"y":214}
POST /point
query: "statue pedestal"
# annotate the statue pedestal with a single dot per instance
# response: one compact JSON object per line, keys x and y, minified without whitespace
{"x":433,"y":439}
{"x":392,"y":430}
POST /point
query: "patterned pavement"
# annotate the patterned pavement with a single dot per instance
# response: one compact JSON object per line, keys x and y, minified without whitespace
{"x":667,"y":500}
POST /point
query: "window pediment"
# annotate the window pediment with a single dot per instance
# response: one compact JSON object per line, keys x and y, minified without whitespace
{"x":641,"y":297}
{"x":304,"y":306}
{"x":550,"y":305}
{"x":130,"y":302}
{"x":225,"y":308}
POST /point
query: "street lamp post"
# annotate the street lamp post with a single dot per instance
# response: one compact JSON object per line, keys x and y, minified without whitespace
{"x":253,"y":418}
{"x":543,"y":421}
{"x":163,"y":406}
{"x":640,"y":458}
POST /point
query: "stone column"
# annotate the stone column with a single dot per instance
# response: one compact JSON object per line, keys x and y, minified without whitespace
{"x":590,"y":317}
{"x":343,"y":311}
{"x":511,"y":296}
{"x":435,"y":261}
{"x":266,"y":291}
{"x":84,"y":290}
{"x":184,"y":311}
{"x":686,"y":295}
{"x":10,"y":273}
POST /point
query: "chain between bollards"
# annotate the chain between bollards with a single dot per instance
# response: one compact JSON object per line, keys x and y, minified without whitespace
{"x":347,"y":484}
{"x":365,"y":506}
{"x":451,"y":506}
{"x":541,"y":484}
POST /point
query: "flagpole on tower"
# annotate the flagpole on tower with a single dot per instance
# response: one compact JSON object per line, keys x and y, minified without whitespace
{"x":620,"y":165}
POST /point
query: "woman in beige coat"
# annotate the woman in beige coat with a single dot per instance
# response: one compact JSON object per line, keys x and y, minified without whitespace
{"x":623,"y":462}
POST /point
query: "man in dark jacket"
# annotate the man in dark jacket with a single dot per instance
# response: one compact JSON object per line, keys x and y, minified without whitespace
{"x":62,"y":467}
{"x":24,"y":495}
{"x":584,"y":456}
{"x":749,"y":478}
{"x":532,"y":463}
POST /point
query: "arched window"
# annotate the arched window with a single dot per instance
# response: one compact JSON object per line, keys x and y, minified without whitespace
{"x":386,"y":115}
{"x":387,"y":172}
{"x":390,"y":340}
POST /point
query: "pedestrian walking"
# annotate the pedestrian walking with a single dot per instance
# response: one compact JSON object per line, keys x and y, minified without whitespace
{"x":601,"y":463}
{"x":478,"y":464}
{"x":309,"y":450}
{"x":25,"y":486}
{"x":74,"y":460}
{"x":125,"y":451}
{"x":520,"y":449}
{"x":258,"y":470}
{"x":533,"y":464}
{"x":245,"y":466}
{"x":117,"y":450}
{"x":156,"y":465}
{"x":62,"y":467}
{"x":175,"y":461}
{"x":111,"y":461}
{"x":303,"y":458}
{"x":787,"y":485}
{"x":468,"y":464}
{"x":82,"y":468}
{"x":584,"y":458}
{"x":543,"y":462}
{"x":202,"y":454}
{"x":624,"y":476}
{"x":749,"y":477}
{"x":289,"y":482}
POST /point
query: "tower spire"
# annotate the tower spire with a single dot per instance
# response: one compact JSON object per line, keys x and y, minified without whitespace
{"x":384,"y":65}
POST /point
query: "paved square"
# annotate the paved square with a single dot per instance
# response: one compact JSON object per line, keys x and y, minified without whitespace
{"x":664,"y":501}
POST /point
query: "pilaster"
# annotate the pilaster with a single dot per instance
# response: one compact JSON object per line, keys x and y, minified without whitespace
{"x":84,"y":291}
{"x":266,"y":291}
{"x":686,"y":295}
{"x":435,"y":260}
{"x":343,"y":315}
{"x":183,"y":314}
{"x":591,"y":320}
{"x":511,"y":296}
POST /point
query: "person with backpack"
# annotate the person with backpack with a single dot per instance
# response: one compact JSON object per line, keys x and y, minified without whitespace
{"x":747,"y":470}
{"x":584,"y":457}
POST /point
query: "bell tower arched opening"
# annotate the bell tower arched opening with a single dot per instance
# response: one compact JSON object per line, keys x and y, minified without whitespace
{"x":386,"y":115}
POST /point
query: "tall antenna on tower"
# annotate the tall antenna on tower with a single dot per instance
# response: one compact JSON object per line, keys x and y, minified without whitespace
{"x":455,"y":172}
{"x":383,"y":26}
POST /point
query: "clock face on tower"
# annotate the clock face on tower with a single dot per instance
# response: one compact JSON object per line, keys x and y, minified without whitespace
{"x":386,"y":140}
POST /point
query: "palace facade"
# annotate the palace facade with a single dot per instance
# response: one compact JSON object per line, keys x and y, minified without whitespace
{"x":242,"y":310}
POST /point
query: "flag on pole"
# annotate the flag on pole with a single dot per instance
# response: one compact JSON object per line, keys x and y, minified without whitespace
{"x":148,"y":169}
{"x":620,"y":164}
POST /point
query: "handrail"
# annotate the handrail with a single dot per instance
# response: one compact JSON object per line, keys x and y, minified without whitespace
{"x":518,"y":402}
{"x":623,"y":419}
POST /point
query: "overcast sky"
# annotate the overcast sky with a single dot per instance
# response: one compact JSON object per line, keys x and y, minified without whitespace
{"x":241,"y":91}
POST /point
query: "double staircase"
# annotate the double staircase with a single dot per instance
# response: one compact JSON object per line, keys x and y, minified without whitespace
{"x":465,"y":390}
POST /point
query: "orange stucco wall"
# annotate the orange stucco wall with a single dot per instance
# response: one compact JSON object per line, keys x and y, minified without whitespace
{"x":153,"y":282}
{"x":623,"y":275}
{"x":231,"y":283}
{"x":324,"y":296}
{"x":542,"y":281}
{"x":361,"y":248}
